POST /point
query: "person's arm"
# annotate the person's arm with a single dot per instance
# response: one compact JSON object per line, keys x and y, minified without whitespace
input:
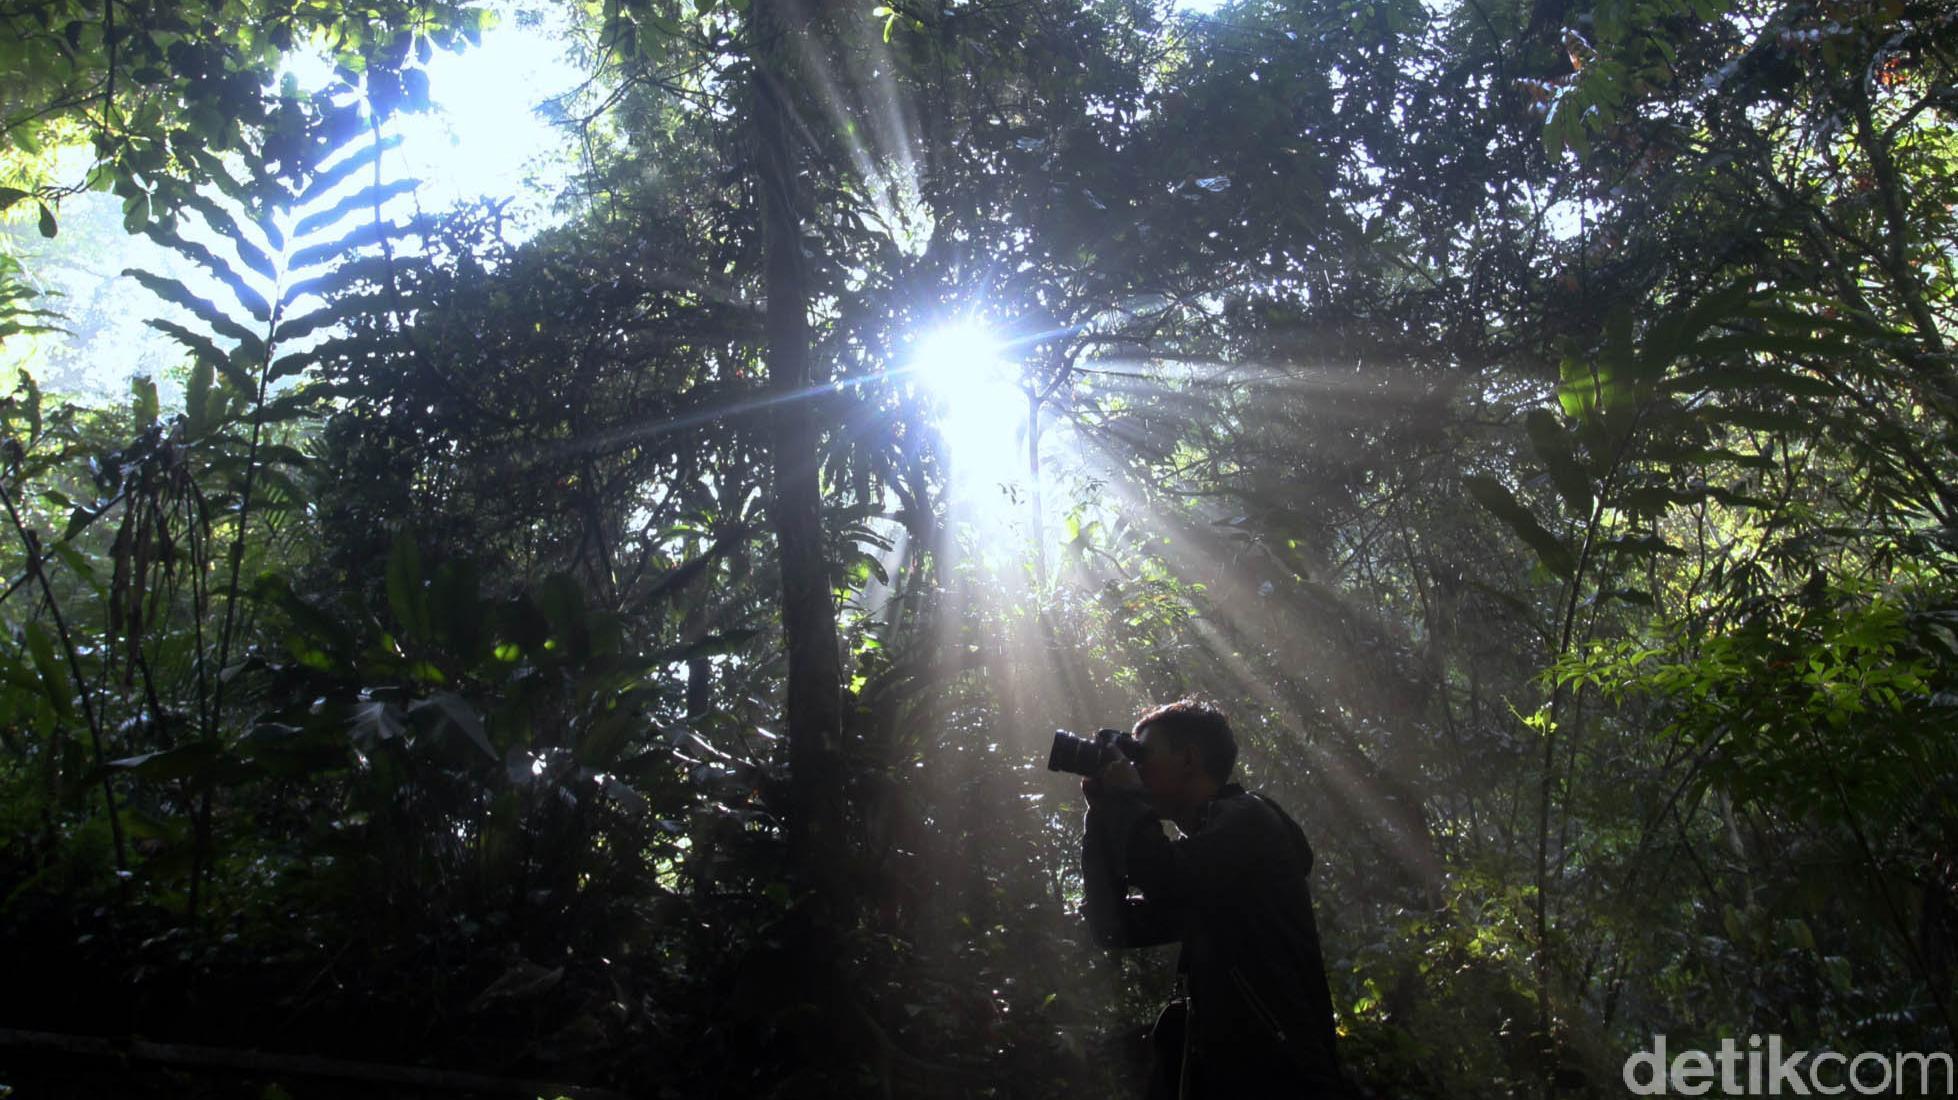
{"x":1114,"y":919}
{"x":1220,"y":858}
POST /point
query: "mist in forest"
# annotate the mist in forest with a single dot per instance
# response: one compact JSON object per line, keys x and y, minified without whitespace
{"x":547,"y":546}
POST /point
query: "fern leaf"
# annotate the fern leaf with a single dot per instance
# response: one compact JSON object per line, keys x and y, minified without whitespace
{"x":363,"y":158}
{"x":371,"y":268}
{"x":366,"y":198}
{"x":294,"y":404}
{"x":248,"y":296}
{"x":365,"y":234}
{"x":285,"y":366}
{"x":220,"y":219}
{"x":321,"y":285}
{"x":323,"y":318}
{"x":203,"y":349}
{"x":170,"y":290}
{"x":343,"y":307}
{"x":295,"y":362}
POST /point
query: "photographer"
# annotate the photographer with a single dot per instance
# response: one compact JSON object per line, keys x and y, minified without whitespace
{"x":1253,"y":1017}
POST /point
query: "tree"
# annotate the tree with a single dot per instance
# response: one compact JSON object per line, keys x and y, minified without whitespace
{"x":1528,"y":418}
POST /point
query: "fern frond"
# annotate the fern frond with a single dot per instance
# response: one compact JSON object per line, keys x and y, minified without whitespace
{"x":365,"y":199}
{"x":342,"y":170}
{"x":350,"y":272}
{"x":203,"y":349}
{"x":227,"y":227}
{"x":368,"y":233}
{"x":175,"y":292}
{"x":248,"y":295}
{"x":267,"y":272}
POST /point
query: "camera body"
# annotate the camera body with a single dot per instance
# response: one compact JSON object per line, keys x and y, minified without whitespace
{"x":1081,"y":756}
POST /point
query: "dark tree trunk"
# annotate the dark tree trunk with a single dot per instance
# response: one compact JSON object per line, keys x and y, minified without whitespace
{"x":815,"y":703}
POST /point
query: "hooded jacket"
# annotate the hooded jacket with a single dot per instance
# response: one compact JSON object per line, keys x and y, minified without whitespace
{"x":1235,"y":892}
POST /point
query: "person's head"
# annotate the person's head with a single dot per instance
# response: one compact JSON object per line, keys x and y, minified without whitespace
{"x":1187,"y":753}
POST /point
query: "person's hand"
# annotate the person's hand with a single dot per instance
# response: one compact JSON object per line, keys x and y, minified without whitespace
{"x":1119,"y":775}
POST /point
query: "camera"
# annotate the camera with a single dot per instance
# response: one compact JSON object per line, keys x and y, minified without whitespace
{"x":1081,"y":756}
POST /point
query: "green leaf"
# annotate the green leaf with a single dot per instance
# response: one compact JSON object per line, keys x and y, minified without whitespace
{"x":458,"y":713}
{"x":1491,"y":494}
{"x":48,"y":224}
{"x":41,"y":647}
{"x":247,"y":295}
{"x":170,"y":290}
{"x":1553,"y":447}
{"x":1736,"y":927}
{"x":143,"y":404}
{"x":1588,"y":391}
{"x":365,"y":200}
{"x":18,"y":675}
{"x":318,"y":639}
{"x":405,"y":595}
{"x":197,"y":393}
{"x":375,"y":721}
{"x":33,"y":389}
{"x":363,"y":158}
{"x":599,"y":746}
{"x":183,"y":762}
{"x":73,"y":559}
{"x":1836,"y":969}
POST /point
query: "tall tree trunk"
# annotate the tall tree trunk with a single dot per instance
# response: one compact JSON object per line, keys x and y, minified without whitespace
{"x":815,"y":704}
{"x":812,"y":949}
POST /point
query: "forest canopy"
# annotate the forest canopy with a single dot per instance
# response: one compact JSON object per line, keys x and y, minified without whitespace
{"x":602,"y":636}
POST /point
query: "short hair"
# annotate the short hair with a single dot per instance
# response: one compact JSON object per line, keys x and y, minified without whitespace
{"x":1193,"y":721}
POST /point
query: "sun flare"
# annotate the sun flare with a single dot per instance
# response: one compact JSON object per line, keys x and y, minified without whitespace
{"x":980,"y":405}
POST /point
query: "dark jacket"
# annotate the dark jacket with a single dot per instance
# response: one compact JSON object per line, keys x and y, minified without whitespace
{"x":1235,"y":893}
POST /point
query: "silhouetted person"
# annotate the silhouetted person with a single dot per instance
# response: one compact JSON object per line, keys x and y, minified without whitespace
{"x":1233,"y":889}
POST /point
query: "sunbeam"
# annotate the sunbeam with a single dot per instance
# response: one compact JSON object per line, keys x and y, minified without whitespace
{"x":981,"y":410}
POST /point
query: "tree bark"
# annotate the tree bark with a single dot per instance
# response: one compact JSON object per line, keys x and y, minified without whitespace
{"x":815,"y":674}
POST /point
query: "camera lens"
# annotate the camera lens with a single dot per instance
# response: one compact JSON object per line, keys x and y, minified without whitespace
{"x":1075,"y":755}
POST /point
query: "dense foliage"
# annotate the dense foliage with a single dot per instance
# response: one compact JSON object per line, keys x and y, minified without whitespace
{"x":581,"y":658}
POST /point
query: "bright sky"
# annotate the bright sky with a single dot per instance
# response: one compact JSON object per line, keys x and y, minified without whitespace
{"x":485,"y":137}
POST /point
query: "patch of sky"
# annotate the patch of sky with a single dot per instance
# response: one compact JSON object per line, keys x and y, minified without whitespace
{"x":487,"y":136}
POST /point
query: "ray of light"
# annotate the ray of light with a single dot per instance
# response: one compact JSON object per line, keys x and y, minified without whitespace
{"x":980,"y":407}
{"x":1238,"y":615}
{"x":886,"y":173}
